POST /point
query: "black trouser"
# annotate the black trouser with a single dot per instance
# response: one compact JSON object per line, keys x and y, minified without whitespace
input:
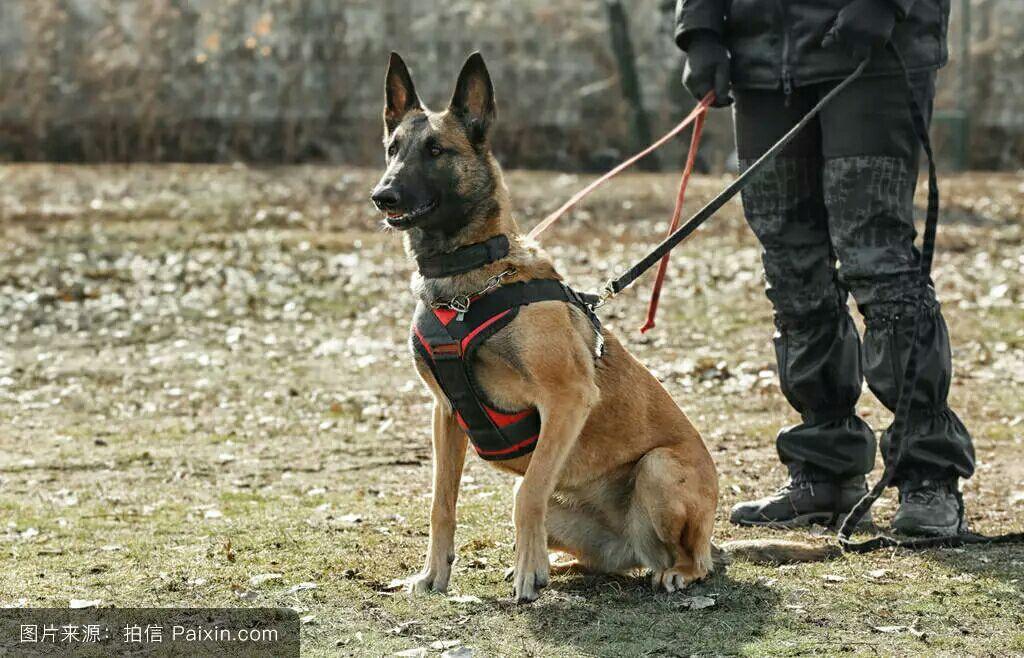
{"x":834,"y":214}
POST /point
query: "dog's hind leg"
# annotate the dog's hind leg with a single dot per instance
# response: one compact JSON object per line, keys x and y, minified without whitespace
{"x":578,"y":531}
{"x":672,"y":517}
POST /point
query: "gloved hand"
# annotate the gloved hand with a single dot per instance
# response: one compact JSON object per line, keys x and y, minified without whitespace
{"x":707,"y":67}
{"x":862,"y":26}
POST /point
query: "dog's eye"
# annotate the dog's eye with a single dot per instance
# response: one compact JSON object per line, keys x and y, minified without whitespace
{"x":435,"y":150}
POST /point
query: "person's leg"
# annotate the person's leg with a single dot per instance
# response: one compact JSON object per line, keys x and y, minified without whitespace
{"x":816,"y":343}
{"x":871,"y":166}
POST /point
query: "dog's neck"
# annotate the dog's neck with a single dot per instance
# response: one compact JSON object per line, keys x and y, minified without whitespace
{"x":524,"y":257}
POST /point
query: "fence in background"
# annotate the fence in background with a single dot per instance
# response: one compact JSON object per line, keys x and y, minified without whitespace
{"x":299,"y":80}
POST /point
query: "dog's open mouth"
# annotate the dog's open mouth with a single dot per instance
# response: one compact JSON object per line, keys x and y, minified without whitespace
{"x":403,"y":219}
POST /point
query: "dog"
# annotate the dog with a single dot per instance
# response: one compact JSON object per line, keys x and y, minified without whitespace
{"x":617,"y":477}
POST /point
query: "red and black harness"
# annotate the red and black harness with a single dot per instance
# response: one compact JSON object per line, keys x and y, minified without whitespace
{"x":448,"y":338}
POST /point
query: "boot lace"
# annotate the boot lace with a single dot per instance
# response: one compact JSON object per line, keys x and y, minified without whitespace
{"x":924,"y":493}
{"x":794,"y":484}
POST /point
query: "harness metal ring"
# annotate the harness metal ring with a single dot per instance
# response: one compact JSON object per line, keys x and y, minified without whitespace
{"x":459,"y":304}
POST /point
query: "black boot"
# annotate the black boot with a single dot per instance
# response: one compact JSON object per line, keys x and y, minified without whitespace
{"x":930,"y":508}
{"x":802,"y":501}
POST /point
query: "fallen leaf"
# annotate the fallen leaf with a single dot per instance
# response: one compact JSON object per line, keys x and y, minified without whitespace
{"x":459,"y":652}
{"x":418,"y":652}
{"x":464,"y":598}
{"x":262,"y":578}
{"x":300,"y":587}
{"x":404,"y":627}
{"x":698,"y":602}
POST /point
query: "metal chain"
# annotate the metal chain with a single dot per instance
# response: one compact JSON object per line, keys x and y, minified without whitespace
{"x":606,"y":293}
{"x":460,"y":303}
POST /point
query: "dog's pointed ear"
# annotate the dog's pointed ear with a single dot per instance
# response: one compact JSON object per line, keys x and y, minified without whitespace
{"x":473,"y":101}
{"x":399,"y":93}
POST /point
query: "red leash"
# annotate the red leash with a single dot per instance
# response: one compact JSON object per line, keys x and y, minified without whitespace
{"x":691,"y":156}
{"x":696,"y":116}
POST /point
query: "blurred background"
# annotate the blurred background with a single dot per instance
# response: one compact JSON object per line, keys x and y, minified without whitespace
{"x":580,"y":82}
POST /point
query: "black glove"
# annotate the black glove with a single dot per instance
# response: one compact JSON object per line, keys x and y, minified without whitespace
{"x":862,"y":26}
{"x":707,"y":67}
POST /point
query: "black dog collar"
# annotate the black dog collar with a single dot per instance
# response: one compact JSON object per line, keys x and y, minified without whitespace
{"x":464,"y":259}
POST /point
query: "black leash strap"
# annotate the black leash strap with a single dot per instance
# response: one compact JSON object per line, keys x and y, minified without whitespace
{"x":668,"y":244}
{"x":901,"y":417}
{"x":902,"y":413}
{"x":883,"y":541}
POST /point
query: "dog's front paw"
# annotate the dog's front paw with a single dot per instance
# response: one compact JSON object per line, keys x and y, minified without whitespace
{"x":429,"y":580}
{"x":531,"y":573}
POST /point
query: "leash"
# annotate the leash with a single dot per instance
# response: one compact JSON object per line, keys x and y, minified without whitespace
{"x":676,"y":235}
{"x":909,"y":382}
{"x":902,"y":413}
{"x":615,"y":286}
{"x":696,"y":117}
{"x":699,"y":111}
{"x":677,"y":213}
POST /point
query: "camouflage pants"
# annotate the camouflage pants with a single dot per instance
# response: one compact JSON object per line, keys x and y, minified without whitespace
{"x":834,"y":215}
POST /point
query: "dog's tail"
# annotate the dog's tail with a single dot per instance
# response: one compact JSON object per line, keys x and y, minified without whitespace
{"x":772,"y":551}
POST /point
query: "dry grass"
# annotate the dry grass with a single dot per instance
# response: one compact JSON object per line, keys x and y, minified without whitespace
{"x":203,"y":377}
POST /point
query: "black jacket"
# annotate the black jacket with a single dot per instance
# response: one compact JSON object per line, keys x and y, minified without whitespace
{"x":775,"y":43}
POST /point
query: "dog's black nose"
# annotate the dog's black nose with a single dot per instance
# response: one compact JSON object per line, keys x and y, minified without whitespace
{"x":385,"y":197}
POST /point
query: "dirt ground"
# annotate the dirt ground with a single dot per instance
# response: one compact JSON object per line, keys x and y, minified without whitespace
{"x":206,"y":399}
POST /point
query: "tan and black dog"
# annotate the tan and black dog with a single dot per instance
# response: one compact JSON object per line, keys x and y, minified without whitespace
{"x":619,"y":477}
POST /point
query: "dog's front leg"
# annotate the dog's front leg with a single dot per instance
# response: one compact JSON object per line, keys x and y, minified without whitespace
{"x":449,"y":456}
{"x":562,"y":420}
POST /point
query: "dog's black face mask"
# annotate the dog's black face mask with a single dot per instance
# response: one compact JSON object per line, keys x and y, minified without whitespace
{"x":439,"y":175}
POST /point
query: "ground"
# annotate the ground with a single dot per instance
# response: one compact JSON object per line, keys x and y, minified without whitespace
{"x":204,"y":378}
